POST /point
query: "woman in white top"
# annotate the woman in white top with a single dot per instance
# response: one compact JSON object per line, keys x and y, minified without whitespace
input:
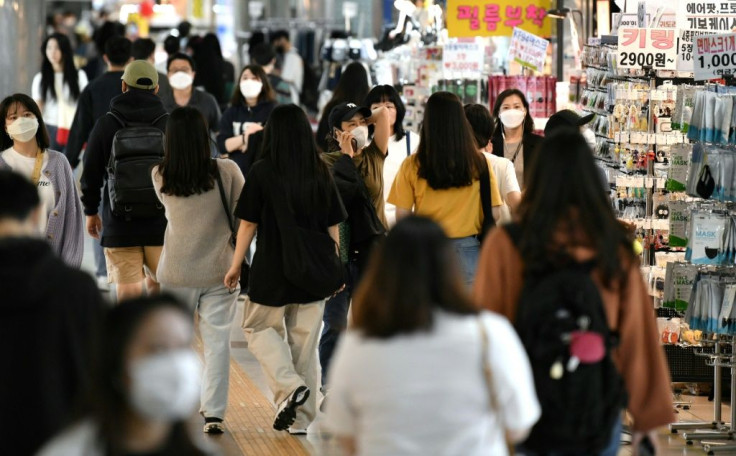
{"x":401,"y":144}
{"x":146,"y":386}
{"x":56,"y":88}
{"x":409,"y":377}
{"x":24,"y":148}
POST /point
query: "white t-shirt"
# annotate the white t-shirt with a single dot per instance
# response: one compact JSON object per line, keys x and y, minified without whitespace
{"x":55,"y":113}
{"x":425,"y":393}
{"x":394,"y":159}
{"x":506,"y":181}
{"x":24,"y":165}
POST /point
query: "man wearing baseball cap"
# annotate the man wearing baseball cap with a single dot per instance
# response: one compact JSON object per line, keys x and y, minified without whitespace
{"x":132,"y":246}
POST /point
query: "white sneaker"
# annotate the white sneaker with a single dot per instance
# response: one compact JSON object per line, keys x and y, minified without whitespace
{"x":296,"y":431}
{"x":286,"y":413}
{"x":102,"y":283}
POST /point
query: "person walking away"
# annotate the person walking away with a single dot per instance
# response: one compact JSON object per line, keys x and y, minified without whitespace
{"x":357,"y":168}
{"x":482,"y":124}
{"x":132,"y":233}
{"x":145,"y":49}
{"x":197,"y":251}
{"x":401,"y":144}
{"x":443,"y":180}
{"x":288,"y":194}
{"x":291,"y":65}
{"x":50,"y":316}
{"x":385,"y":373}
{"x":24,"y":143}
{"x":567,"y":231}
{"x":145,"y":386}
{"x":514,"y":136}
{"x":264,"y":55}
{"x":94,"y":102}
{"x":181,"y":72}
{"x":250,"y":107}
{"x":56,"y":88}
{"x":171,"y":46}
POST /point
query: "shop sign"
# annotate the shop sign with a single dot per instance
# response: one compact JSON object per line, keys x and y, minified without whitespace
{"x":463,"y":57}
{"x":647,"y":48}
{"x":713,"y":15}
{"x":469,"y":18}
{"x":714,"y":56}
{"x":528,"y":50}
{"x":685,"y":48}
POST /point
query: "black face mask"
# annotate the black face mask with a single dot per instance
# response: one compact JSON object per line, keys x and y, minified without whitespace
{"x":280,"y":49}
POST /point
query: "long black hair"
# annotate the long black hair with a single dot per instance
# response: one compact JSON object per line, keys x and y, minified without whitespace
{"x":6,"y":106}
{"x":187,"y":168}
{"x":528,"y":120}
{"x":447,"y":154}
{"x":564,"y":196}
{"x":208,"y":55}
{"x":71,"y":76}
{"x":386,"y":93}
{"x":412,"y":273}
{"x":288,"y":143}
{"x":109,"y":400}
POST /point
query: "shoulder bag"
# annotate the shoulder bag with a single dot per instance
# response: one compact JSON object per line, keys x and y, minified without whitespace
{"x":245,"y":268}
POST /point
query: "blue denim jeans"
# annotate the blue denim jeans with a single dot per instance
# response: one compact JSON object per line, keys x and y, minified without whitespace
{"x":335,"y":319}
{"x":468,"y":250}
{"x":611,"y":449}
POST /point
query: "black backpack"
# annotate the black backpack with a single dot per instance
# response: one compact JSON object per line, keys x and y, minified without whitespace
{"x":136,"y":148}
{"x":580,"y":402}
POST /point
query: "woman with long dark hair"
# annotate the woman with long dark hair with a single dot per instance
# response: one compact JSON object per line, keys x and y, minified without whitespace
{"x":514,"y":136}
{"x":24,"y":148}
{"x":401,"y":143}
{"x":57,"y":87}
{"x":416,"y":349}
{"x":442,"y":180}
{"x":145,"y":386}
{"x":351,"y":88}
{"x":282,"y":320}
{"x":197,"y":250}
{"x":249,"y":109}
{"x":565,"y":218}
{"x":219,"y":72}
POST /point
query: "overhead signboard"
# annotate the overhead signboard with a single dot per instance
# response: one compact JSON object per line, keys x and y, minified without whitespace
{"x":470,"y":18}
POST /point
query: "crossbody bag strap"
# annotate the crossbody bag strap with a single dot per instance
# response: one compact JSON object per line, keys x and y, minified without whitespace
{"x":485,"y":195}
{"x":408,"y":142}
{"x":223,"y":198}
{"x":36,"y":176}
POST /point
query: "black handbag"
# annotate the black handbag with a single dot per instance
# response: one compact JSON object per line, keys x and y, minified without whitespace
{"x":245,"y":268}
{"x":309,"y":257}
{"x":485,"y":199}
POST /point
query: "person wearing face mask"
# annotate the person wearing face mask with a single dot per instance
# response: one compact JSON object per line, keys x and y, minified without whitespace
{"x":513,"y":137}
{"x":50,"y":313}
{"x":145,"y":388}
{"x":241,"y":124}
{"x":24,"y":143}
{"x":181,"y":71}
{"x":571,"y":120}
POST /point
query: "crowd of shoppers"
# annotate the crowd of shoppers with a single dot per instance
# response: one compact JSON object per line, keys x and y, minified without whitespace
{"x":400,"y":227}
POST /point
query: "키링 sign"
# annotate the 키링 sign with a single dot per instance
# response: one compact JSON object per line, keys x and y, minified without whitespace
{"x":647,"y":48}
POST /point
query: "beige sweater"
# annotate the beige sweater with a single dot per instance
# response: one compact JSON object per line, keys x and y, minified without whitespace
{"x":197,"y":252}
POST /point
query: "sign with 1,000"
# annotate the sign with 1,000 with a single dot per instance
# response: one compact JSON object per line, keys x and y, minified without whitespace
{"x":714,"y":56}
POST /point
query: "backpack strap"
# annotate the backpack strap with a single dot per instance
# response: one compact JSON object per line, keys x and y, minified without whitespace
{"x":119,"y":119}
{"x":408,"y":143}
{"x":124,"y":124}
{"x":514,"y":232}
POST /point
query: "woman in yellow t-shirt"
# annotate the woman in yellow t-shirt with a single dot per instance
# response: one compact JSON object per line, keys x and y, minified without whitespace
{"x":441,"y":180}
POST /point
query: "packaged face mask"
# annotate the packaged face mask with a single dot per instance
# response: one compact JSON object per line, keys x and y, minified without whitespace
{"x":697,"y":120}
{"x":683,"y":277}
{"x":679,"y":163}
{"x":679,"y":218}
{"x":696,"y":163}
{"x":706,"y":238}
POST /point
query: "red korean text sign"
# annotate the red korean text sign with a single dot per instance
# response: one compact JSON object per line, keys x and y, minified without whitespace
{"x":714,"y":56}
{"x":468,"y":18}
{"x":647,"y":48}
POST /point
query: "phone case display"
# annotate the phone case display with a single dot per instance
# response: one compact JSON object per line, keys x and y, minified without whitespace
{"x":540,"y":91}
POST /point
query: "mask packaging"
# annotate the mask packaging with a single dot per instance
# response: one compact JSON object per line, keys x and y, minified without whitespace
{"x":709,"y":110}
{"x":693,"y":310}
{"x":696,"y":122}
{"x":706,"y":183}
{"x":679,"y":221}
{"x":724,"y":126}
{"x":679,"y":163}
{"x":715,"y":301}
{"x":682,"y":280}
{"x":732,"y":133}
{"x":719,"y":111}
{"x":706,"y":238}
{"x":726,"y":175}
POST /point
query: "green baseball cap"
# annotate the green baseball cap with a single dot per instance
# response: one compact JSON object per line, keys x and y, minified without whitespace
{"x":141,"y":75}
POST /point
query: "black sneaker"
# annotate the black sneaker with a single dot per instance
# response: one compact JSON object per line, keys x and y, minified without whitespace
{"x":213,"y":425}
{"x":286,"y":413}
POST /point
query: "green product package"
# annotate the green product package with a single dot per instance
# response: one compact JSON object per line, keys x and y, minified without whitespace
{"x":679,"y":164}
{"x":679,"y":219}
{"x":679,"y":281}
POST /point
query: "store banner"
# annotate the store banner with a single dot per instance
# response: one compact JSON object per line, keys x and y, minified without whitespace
{"x":714,"y":56}
{"x":469,"y":18}
{"x":713,"y":15}
{"x":528,"y":50}
{"x":463,"y":57}
{"x":647,"y":48}
{"x":685,"y":48}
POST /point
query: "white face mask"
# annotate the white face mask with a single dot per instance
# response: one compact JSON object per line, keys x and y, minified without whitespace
{"x":23,"y":129}
{"x":589,"y":138}
{"x":512,"y":118}
{"x":181,"y":80}
{"x":250,"y":88}
{"x":361,"y":136}
{"x":166,"y":386}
